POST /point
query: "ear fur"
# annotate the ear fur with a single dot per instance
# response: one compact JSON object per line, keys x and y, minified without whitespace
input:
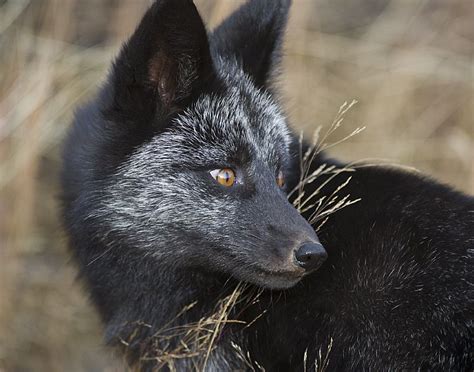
{"x":165,"y":59}
{"x":253,"y":37}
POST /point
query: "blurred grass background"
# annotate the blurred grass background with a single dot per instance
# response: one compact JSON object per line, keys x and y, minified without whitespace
{"x":409,"y":63}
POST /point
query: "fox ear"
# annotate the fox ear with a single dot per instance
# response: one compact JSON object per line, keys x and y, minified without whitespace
{"x":164,"y":61}
{"x":253,"y":37}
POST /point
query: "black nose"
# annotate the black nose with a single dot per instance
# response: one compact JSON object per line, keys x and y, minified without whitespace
{"x":310,"y":255}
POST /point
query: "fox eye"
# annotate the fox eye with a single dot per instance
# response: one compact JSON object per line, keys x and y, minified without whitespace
{"x":280,"y":180}
{"x":224,"y":176}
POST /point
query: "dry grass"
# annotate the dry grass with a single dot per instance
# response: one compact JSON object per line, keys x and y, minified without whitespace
{"x":323,"y":205}
{"x":197,"y":340}
{"x":408,"y":63}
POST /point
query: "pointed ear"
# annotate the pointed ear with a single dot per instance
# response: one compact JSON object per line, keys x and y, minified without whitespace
{"x":253,"y":37}
{"x":163,"y":63}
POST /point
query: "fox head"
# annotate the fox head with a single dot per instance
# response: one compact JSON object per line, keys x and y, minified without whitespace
{"x":191,"y":149}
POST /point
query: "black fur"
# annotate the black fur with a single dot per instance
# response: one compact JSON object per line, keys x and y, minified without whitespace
{"x":257,"y":46}
{"x":396,"y":291}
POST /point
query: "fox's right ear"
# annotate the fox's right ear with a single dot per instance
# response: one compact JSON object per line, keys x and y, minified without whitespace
{"x":164,"y":62}
{"x":252,"y":37}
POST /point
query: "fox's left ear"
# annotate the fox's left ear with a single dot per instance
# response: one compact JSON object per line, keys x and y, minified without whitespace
{"x":253,"y":36}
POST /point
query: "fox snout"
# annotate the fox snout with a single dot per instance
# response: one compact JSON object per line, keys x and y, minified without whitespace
{"x":289,"y":246}
{"x":283,"y":265}
{"x":305,"y":258}
{"x":310,"y":255}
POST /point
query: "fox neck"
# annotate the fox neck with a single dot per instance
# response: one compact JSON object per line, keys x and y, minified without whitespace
{"x":163,"y":298}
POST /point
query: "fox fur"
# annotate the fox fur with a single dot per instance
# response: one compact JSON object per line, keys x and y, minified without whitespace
{"x":152,"y":232}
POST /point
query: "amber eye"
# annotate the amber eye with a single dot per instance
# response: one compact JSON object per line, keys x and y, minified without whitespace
{"x":225,"y":176}
{"x":280,"y":180}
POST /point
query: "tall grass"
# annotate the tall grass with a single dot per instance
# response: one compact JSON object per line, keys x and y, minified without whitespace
{"x":408,"y":63}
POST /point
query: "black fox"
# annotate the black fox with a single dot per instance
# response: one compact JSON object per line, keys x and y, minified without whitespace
{"x":175,"y":186}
